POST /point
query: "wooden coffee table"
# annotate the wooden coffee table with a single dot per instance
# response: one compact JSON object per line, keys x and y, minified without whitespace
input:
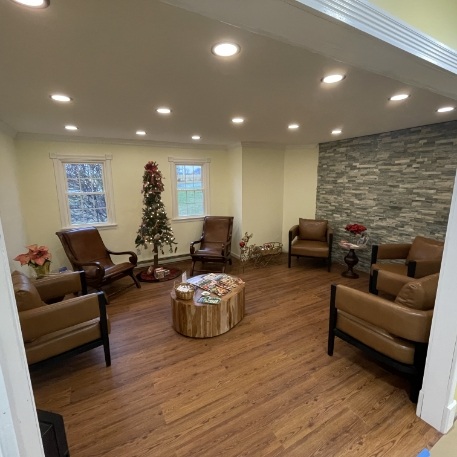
{"x":199,"y":320}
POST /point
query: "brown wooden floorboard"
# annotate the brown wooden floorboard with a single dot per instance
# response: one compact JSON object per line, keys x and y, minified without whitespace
{"x":266,"y":388}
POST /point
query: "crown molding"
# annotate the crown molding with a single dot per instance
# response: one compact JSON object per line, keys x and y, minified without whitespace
{"x":375,"y":22}
{"x":114,"y":141}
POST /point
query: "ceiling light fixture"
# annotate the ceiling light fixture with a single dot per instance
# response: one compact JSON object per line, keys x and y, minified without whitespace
{"x":196,"y":137}
{"x":398,"y":97}
{"x":237,"y":120}
{"x":61,"y":98}
{"x":140,"y":132}
{"x":293,"y":126}
{"x":225,"y":49}
{"x":336,"y":131}
{"x":163,"y":110}
{"x":330,"y":79}
{"x":445,"y":109}
{"x":33,"y":3}
{"x":71,"y":127}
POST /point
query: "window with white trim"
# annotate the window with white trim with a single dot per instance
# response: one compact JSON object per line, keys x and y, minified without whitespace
{"x":190,"y":187}
{"x":84,"y":190}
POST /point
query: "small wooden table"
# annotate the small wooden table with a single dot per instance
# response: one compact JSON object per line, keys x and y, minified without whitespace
{"x":199,"y":320}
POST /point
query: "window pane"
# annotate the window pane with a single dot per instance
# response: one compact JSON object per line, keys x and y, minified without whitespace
{"x":190,"y":190}
{"x":71,"y":170}
{"x":73,"y":185}
{"x":74,"y":202}
{"x":97,"y":185}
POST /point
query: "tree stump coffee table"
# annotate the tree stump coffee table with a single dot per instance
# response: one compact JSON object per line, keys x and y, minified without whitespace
{"x":199,"y":320}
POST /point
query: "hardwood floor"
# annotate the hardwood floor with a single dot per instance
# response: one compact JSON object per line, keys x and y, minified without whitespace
{"x":266,"y":388}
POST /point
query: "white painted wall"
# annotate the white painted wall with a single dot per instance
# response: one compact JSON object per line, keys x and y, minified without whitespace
{"x":300,"y":184}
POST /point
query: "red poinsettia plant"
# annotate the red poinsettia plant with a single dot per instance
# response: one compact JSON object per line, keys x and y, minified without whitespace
{"x":37,"y":256}
{"x":355,"y":229}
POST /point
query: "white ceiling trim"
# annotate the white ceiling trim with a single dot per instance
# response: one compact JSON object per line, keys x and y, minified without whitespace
{"x":383,"y":26}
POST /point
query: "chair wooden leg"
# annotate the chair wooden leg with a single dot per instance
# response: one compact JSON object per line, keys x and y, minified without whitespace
{"x":288,"y":259}
{"x":192,"y":269}
{"x":135,"y":280}
{"x":331,"y":322}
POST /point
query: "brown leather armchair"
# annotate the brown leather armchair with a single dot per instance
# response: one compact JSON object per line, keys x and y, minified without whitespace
{"x":421,"y":258}
{"x":311,"y":238}
{"x":61,"y":328}
{"x":215,"y":242}
{"x":395,"y":333}
{"x":86,"y":252}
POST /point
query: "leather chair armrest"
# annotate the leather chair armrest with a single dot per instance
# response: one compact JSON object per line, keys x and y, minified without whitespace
{"x":293,"y":232}
{"x":192,"y":248}
{"x":132,"y":259}
{"x":404,"y":322}
{"x":58,"y":316}
{"x":389,"y":251}
{"x":424,"y":267}
{"x":59,"y":285}
{"x":390,"y":283}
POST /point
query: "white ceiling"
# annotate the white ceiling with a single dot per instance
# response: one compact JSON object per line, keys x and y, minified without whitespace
{"x":120,"y":60}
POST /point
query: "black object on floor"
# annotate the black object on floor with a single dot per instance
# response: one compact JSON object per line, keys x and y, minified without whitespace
{"x":53,"y":434}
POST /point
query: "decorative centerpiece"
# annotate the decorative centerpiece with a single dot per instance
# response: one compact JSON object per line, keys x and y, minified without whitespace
{"x":358,"y":236}
{"x":38,"y":258}
{"x":259,"y":255}
{"x":184,"y":291}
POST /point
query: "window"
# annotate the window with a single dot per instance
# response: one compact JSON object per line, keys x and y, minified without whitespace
{"x":190,"y":187}
{"x":84,"y":190}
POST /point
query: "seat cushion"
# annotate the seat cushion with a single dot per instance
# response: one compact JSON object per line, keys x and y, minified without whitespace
{"x":425,"y":249}
{"x":308,"y":248}
{"x":420,"y":293}
{"x":313,"y":230}
{"x":376,"y":338}
{"x":27,"y":296}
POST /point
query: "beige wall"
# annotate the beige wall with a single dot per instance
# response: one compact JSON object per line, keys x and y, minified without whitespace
{"x":300,"y":184}
{"x":10,"y":204}
{"x":434,"y":18}
{"x":263,"y":188}
{"x":235,"y":171}
{"x":39,"y":196}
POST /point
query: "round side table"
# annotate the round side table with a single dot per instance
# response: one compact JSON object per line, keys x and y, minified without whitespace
{"x":350,"y":259}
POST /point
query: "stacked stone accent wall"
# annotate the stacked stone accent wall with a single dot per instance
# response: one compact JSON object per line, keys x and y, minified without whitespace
{"x":398,"y":184}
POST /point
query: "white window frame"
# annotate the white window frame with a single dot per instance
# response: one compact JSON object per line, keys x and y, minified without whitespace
{"x":59,"y":161}
{"x":205,"y":164}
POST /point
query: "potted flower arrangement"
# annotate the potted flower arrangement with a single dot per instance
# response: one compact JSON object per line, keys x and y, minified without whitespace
{"x":38,"y":258}
{"x":358,"y":236}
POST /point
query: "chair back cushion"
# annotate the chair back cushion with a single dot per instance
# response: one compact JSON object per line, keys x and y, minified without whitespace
{"x":84,"y":245}
{"x":217,"y":229}
{"x":425,"y":249}
{"x":420,"y":293}
{"x":27,"y":296}
{"x":312,"y":229}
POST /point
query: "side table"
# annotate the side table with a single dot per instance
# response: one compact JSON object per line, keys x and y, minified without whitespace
{"x":350,"y":259}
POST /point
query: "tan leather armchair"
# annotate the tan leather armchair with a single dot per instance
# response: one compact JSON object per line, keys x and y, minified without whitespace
{"x":421,"y":258}
{"x":395,"y":333}
{"x":311,"y":238}
{"x":215,"y":242}
{"x":87,"y":252}
{"x":59,"y":329}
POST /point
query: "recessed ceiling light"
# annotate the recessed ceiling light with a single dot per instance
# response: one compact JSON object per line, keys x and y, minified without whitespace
{"x":237,"y":120}
{"x":33,"y":3}
{"x":445,"y":109}
{"x":71,"y":127}
{"x":140,"y":132}
{"x":336,"y":131}
{"x":61,"y":98}
{"x":196,"y":137}
{"x":330,"y":79}
{"x":163,"y":110}
{"x":293,"y":126}
{"x":398,"y":97}
{"x":225,"y":49}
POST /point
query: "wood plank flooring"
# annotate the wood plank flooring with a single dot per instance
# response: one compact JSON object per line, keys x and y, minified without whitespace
{"x":266,"y":388}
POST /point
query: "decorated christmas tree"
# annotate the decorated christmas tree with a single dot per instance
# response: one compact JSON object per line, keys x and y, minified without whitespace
{"x":155,"y":229}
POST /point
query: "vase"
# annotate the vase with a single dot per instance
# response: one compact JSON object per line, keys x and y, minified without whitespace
{"x":41,"y":270}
